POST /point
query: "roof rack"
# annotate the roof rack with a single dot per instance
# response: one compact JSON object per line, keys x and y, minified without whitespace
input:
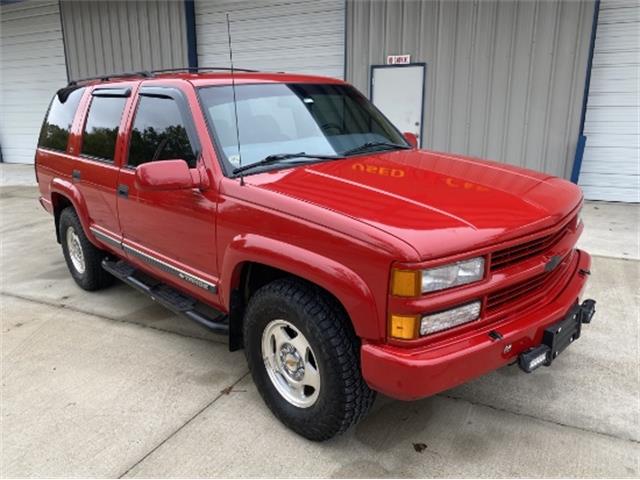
{"x":203,"y":69}
{"x":110,"y":76}
{"x":151,"y":73}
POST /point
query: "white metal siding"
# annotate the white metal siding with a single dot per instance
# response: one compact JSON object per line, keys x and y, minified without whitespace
{"x":302,"y":36}
{"x":33,"y":68}
{"x":611,"y":163}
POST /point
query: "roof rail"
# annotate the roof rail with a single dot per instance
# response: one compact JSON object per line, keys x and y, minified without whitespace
{"x":110,"y":76}
{"x":202,"y":69}
{"x":151,"y":73}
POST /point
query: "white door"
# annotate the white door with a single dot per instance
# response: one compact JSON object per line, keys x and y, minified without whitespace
{"x":299,"y":36}
{"x":611,"y":163}
{"x":33,"y":69}
{"x":398,"y":91}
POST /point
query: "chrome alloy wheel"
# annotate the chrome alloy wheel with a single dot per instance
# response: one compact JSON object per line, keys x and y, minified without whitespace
{"x":75,"y":250}
{"x":291,"y":363}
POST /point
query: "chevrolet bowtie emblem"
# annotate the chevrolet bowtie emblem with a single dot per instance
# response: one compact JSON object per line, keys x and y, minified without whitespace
{"x":552,"y":263}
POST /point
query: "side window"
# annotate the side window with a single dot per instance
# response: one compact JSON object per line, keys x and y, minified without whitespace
{"x":55,"y":129}
{"x":159,"y":133}
{"x":101,"y":128}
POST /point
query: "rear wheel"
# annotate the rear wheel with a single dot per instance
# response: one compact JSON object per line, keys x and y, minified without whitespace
{"x":304,"y":359}
{"x":84,"y":260}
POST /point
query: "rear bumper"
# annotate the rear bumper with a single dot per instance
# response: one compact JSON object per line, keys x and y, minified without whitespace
{"x":409,"y":374}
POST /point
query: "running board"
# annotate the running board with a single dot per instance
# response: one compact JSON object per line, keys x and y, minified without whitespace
{"x":168,"y":296}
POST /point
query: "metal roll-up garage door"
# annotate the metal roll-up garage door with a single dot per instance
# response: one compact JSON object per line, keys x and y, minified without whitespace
{"x":302,"y":36}
{"x":33,"y":68}
{"x":611,"y":163}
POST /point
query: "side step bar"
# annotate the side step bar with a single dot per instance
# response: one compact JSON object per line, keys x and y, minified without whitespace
{"x":168,"y":296}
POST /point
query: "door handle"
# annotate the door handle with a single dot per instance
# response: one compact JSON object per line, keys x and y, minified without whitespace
{"x":123,"y":191}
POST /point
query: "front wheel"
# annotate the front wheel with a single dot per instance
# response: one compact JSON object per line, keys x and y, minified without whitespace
{"x":304,"y":359}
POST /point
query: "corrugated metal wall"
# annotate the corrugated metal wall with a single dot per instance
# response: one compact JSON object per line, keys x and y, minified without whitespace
{"x":32,"y":69}
{"x":273,"y":35}
{"x":505,"y":79}
{"x":121,"y":36}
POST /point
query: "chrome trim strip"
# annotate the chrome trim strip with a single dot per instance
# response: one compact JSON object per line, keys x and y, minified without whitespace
{"x":106,"y":238}
{"x":164,"y":266}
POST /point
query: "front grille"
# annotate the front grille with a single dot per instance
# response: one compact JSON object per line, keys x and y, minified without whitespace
{"x":525,"y":293}
{"x":517,"y":253}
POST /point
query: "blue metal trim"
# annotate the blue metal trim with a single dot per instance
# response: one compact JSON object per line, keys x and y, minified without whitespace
{"x":192,"y":41}
{"x":582,"y":139}
{"x":577,"y":161}
{"x":344,"y":59}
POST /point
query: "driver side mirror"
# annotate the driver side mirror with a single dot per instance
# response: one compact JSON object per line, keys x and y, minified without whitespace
{"x":411,"y":138}
{"x":166,"y":175}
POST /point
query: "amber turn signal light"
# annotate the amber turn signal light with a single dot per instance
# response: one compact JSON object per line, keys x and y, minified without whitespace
{"x":404,"y":326}
{"x":406,"y":283}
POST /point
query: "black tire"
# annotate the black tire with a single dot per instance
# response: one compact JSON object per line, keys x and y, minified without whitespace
{"x":343,"y":397}
{"x":94,"y":277}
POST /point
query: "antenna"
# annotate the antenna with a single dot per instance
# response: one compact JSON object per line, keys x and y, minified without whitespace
{"x":235,"y":103}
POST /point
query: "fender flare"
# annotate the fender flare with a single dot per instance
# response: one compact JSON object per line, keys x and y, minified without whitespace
{"x":69,"y":191}
{"x":343,"y":283}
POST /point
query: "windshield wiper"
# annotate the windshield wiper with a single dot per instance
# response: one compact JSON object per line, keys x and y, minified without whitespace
{"x":369,"y":145}
{"x":277,"y":157}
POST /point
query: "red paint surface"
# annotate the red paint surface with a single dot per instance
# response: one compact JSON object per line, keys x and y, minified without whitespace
{"x":342,"y":225}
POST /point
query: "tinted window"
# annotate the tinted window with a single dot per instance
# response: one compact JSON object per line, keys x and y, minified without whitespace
{"x":55,"y":130}
{"x":159,"y":133}
{"x":323,"y":119}
{"x":101,"y":127}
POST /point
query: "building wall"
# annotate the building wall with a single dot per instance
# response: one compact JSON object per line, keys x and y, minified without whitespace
{"x":611,"y":163}
{"x":32,"y":68}
{"x":302,"y":36}
{"x":505,"y":79}
{"x":123,"y":36}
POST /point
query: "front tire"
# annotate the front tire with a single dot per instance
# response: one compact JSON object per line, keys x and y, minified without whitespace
{"x":84,"y":260}
{"x":304,"y":359}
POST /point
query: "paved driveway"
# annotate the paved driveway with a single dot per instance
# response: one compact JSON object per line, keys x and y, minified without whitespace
{"x":110,"y":384}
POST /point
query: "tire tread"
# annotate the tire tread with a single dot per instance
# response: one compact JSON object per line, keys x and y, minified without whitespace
{"x":94,"y":277}
{"x":338,"y":342}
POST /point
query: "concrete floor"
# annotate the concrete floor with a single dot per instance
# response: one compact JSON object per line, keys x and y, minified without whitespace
{"x":108,"y":384}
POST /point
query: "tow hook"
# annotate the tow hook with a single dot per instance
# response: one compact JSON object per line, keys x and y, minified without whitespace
{"x":557,"y":337}
{"x":588,"y":310}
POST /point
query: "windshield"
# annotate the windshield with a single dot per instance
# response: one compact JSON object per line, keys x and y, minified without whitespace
{"x":317,"y":119}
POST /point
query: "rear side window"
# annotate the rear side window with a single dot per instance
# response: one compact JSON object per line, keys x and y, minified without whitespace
{"x":101,"y":128}
{"x":159,"y":133}
{"x":55,"y":129}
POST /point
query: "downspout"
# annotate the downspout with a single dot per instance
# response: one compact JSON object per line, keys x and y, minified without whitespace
{"x":582,"y":140}
{"x":192,"y":41}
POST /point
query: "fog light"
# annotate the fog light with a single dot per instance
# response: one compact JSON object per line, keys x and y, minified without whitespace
{"x":437,"y":322}
{"x":534,"y":358}
{"x":404,"y":326}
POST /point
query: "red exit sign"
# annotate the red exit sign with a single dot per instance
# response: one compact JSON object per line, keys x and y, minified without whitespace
{"x":398,"y":59}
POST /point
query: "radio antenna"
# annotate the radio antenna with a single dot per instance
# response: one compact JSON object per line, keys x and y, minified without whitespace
{"x":235,"y":103}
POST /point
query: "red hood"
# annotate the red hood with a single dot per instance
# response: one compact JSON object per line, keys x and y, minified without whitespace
{"x":437,"y":203}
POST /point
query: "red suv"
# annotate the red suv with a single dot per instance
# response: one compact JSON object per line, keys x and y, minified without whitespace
{"x":287,"y":212}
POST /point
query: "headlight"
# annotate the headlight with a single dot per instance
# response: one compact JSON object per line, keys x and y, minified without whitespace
{"x":437,"y":322}
{"x":459,"y":273}
{"x":411,"y":283}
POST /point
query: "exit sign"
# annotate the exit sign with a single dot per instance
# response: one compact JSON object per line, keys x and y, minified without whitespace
{"x":398,"y":59}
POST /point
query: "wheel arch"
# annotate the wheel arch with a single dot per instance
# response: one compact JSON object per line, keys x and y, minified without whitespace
{"x":65,"y":194}
{"x":252,"y":261}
